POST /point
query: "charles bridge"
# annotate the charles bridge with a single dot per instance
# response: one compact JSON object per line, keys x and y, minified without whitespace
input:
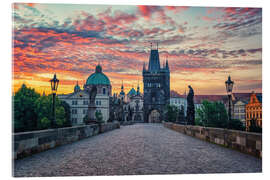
{"x":135,"y":149}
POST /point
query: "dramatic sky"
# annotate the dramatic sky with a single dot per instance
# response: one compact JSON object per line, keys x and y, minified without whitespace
{"x":202,"y":44}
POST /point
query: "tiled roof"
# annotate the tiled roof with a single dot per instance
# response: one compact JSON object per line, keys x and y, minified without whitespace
{"x":154,"y":64}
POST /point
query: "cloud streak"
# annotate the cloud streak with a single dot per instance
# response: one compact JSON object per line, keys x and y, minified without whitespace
{"x":71,"y":45}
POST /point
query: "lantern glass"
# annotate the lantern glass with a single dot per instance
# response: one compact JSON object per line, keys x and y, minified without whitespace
{"x":54,"y":83}
{"x":229,"y":85}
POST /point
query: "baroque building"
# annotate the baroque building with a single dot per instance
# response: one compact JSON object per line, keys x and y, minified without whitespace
{"x":156,"y":80}
{"x":254,"y":110}
{"x":79,"y":99}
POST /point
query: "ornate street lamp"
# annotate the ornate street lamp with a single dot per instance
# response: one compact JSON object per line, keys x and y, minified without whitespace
{"x":54,"y":86}
{"x":229,"y":87}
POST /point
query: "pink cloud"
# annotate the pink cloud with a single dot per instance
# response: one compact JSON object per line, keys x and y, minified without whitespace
{"x":147,"y":11}
{"x":177,"y":9}
{"x":207,"y":18}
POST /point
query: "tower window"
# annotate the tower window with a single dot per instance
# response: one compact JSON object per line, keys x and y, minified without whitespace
{"x":104,"y":90}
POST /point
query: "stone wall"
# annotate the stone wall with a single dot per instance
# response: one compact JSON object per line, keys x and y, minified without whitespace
{"x":246,"y":142}
{"x":28,"y":143}
{"x":125,"y":123}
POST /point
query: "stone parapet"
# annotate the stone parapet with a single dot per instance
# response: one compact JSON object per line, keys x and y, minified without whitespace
{"x":246,"y":142}
{"x":28,"y":143}
{"x":125,"y":123}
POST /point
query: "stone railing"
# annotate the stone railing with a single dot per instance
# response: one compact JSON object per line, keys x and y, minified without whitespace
{"x":28,"y":143}
{"x":125,"y":123}
{"x":246,"y":142}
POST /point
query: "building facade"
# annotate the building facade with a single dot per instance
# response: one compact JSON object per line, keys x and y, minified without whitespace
{"x":239,"y":111}
{"x":254,"y":110}
{"x":156,"y":80}
{"x":133,"y":108}
{"x":179,"y":102}
{"x":79,"y":99}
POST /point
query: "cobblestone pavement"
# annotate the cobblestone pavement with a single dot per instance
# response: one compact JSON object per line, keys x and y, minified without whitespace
{"x":137,"y":149}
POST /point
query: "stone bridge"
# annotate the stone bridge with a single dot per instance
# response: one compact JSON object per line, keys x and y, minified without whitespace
{"x":136,"y":149}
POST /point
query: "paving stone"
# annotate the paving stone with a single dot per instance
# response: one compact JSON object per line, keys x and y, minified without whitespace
{"x":136,"y":149}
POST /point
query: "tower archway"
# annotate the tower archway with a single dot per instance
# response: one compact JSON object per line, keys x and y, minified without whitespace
{"x":154,"y":116}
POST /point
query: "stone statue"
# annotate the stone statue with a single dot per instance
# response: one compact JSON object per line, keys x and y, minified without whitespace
{"x":92,"y":106}
{"x":190,"y":107}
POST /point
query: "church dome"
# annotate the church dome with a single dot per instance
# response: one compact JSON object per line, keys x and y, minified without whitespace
{"x":98,"y":78}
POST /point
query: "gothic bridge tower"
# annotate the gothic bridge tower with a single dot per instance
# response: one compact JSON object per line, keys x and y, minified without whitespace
{"x":156,"y":80}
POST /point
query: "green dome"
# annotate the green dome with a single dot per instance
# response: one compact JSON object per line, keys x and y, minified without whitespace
{"x":98,"y":78}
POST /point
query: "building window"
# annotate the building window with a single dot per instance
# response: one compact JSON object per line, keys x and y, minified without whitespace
{"x":98,"y":103}
{"x":104,"y":90}
{"x":74,"y":120}
{"x":74,"y":102}
{"x":74,"y":111}
{"x":85,"y":102}
{"x":84,"y":111}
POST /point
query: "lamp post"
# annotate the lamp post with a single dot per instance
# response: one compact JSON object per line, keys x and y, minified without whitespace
{"x":54,"y":86}
{"x":229,"y":87}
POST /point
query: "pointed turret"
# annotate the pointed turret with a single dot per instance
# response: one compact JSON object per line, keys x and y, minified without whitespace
{"x":138,"y":89}
{"x":144,"y":69}
{"x":122,"y":93}
{"x":167,"y":65}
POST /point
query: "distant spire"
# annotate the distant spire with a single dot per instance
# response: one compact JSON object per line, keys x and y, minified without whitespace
{"x":122,"y":87}
{"x":138,"y":88}
{"x":151,"y":45}
{"x":167,"y":64}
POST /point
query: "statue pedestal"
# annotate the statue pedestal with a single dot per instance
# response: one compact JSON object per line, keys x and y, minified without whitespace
{"x":91,"y":115}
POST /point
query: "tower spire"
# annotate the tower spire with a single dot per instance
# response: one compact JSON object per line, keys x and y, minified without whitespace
{"x":138,"y":88}
{"x":154,"y":63}
{"x":167,"y":64}
{"x":144,"y":66}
